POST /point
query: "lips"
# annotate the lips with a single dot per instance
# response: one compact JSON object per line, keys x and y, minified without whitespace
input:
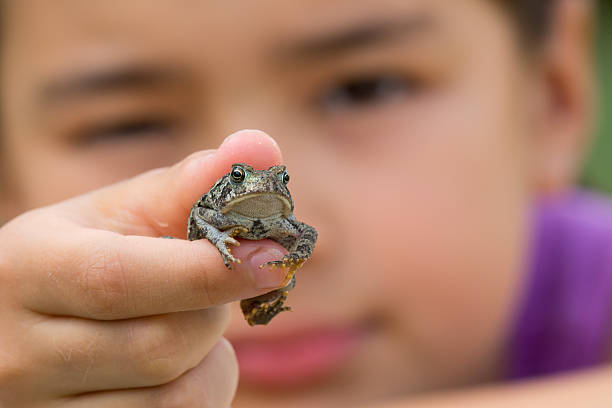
{"x":296,"y":358}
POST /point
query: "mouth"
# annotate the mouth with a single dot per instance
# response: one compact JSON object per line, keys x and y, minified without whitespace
{"x":297,"y":358}
{"x":260,"y":205}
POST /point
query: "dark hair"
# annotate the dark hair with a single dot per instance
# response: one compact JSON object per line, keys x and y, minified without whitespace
{"x":532,"y":16}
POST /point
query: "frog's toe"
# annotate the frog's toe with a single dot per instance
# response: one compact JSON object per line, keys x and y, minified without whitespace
{"x":237,"y":231}
{"x":293,"y":264}
{"x":287,"y":262}
{"x":231,"y":241}
{"x":224,"y":247}
{"x":228,"y":257}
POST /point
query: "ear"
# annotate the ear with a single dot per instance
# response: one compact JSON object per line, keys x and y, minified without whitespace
{"x":564,"y":112}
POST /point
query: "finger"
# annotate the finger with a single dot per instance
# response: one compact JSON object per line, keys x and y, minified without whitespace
{"x":212,"y":384}
{"x":103,"y":275}
{"x":97,"y":356}
{"x":158,"y":202}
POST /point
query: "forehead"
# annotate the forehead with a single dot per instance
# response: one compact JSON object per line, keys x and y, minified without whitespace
{"x":116,"y":16}
{"x":208,"y":43}
{"x":101,"y":29}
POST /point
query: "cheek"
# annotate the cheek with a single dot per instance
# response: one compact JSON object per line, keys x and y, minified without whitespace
{"x":443,"y":221}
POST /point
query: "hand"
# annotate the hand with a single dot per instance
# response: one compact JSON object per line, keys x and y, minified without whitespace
{"x":97,"y":311}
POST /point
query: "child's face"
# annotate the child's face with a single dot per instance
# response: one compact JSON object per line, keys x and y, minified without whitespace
{"x":405,"y":125}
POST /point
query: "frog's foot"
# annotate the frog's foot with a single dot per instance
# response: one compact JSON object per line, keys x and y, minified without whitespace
{"x":259,"y":311}
{"x":226,"y":239}
{"x":291,"y":263}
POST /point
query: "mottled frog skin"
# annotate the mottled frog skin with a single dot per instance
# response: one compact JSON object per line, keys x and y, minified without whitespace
{"x":254,"y":204}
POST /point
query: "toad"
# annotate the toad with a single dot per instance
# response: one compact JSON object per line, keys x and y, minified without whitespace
{"x":254,"y":204}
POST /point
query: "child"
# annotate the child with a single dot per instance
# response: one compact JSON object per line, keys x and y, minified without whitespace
{"x":419,"y":134}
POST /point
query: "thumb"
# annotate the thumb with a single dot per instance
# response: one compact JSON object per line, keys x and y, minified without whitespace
{"x":158,"y":202}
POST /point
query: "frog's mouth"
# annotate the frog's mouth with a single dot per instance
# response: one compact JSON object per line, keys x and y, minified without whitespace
{"x":260,"y":205}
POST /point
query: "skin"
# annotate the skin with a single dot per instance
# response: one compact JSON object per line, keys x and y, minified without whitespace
{"x":108,"y":315}
{"x":421,"y":195}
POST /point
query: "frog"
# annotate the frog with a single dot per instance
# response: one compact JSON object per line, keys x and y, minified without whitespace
{"x":254,"y":205}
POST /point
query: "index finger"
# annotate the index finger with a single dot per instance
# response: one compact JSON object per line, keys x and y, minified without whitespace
{"x":108,"y":259}
{"x":157,"y":203}
{"x":103,"y":275}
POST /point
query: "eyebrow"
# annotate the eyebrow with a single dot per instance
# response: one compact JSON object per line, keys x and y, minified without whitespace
{"x":100,"y":81}
{"x":358,"y":36}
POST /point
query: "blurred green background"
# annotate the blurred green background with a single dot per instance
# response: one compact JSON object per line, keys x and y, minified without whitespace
{"x":598,"y":171}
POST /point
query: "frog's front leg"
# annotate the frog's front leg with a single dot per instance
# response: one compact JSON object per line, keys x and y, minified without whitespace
{"x":300,"y":250}
{"x":216,"y":228}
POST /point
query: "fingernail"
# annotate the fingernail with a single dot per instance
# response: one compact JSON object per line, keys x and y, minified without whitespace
{"x":264,"y":277}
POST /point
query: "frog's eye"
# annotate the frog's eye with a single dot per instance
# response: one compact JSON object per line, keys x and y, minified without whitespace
{"x":285,"y":177}
{"x":237,"y":174}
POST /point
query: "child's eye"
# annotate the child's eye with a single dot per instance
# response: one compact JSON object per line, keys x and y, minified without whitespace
{"x":126,"y":130}
{"x":361,"y":92}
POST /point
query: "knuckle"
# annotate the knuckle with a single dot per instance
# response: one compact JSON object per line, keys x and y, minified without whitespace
{"x":159,"y":371}
{"x":211,"y":384}
{"x":218,"y":319}
{"x":159,"y":351}
{"x":103,"y":282}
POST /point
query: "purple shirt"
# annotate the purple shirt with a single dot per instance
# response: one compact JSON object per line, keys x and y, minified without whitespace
{"x":564,"y":318}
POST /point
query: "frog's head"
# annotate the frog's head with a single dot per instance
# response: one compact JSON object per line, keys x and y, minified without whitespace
{"x":253,"y":193}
